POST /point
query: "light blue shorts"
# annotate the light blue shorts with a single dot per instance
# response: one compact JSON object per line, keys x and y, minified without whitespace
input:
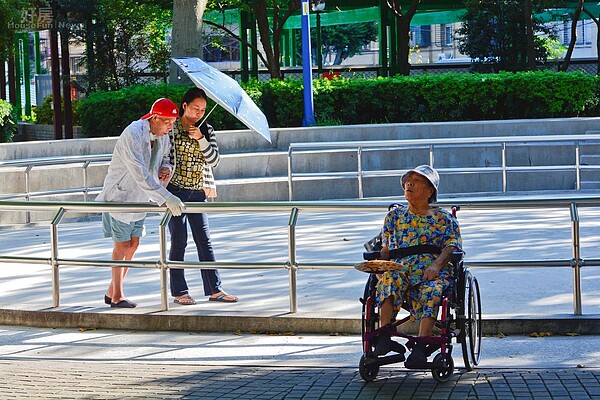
{"x":121,"y":231}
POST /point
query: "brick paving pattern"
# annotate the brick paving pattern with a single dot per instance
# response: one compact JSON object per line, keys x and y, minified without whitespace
{"x":92,"y":380}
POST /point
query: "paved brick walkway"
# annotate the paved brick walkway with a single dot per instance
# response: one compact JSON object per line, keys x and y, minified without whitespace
{"x":93,"y":380}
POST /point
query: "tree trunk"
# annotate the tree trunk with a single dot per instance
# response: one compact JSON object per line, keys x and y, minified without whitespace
{"x":187,"y":35}
{"x":404,"y":45}
{"x":404,"y":19}
{"x":66,"y":80}
{"x":262,"y":21}
{"x":531,"y":64}
{"x":90,"y":55}
{"x":567,"y":61}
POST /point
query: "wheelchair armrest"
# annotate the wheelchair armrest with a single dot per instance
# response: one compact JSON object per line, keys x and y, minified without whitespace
{"x":457,"y":256}
{"x":371,"y":255}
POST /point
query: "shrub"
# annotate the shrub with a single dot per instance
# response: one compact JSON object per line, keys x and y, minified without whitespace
{"x":107,"y":113}
{"x":45,"y":113}
{"x":445,"y":97}
{"x":8,"y":124}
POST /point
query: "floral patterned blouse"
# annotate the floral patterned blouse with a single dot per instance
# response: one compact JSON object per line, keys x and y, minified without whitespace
{"x":403,"y":228}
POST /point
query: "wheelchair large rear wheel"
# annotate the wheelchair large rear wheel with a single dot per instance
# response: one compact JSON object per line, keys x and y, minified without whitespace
{"x":471,"y":343}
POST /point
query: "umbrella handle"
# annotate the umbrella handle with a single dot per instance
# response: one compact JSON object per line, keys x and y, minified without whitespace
{"x":206,"y":116}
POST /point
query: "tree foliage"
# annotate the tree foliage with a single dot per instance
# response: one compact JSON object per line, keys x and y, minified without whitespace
{"x":11,"y":12}
{"x":494,"y":32}
{"x":124,"y":39}
{"x":346,"y":40}
{"x":270,"y":16}
{"x":8,"y":126}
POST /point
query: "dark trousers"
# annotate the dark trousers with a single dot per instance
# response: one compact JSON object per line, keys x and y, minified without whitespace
{"x":179,"y":236}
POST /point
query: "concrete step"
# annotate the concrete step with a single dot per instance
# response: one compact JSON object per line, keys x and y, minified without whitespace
{"x":590,"y":159}
{"x":590,"y":185}
{"x":244,"y":165}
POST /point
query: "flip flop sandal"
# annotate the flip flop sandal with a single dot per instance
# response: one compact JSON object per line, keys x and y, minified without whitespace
{"x":185,"y":300}
{"x":222,"y":298}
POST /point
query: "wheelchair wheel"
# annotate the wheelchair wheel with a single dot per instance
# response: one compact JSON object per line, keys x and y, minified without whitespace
{"x":367,"y":372}
{"x":443,"y":368}
{"x":370,"y":318}
{"x":471,"y":343}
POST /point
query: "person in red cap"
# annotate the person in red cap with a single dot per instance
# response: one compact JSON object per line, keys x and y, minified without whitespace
{"x":138,"y":172}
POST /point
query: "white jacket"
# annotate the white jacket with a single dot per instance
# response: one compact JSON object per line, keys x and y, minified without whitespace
{"x":129,"y":178}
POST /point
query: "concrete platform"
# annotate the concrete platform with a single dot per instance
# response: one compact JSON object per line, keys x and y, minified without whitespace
{"x":515,"y":301}
{"x":109,"y":364}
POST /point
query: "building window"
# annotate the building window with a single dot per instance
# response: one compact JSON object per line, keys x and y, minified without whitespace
{"x":446,"y":36}
{"x":420,"y":36}
{"x":583,"y":33}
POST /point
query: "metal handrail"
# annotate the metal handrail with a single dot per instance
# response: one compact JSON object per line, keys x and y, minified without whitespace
{"x":25,"y":162}
{"x":360,"y":146}
{"x":573,"y":203}
{"x":29,"y":163}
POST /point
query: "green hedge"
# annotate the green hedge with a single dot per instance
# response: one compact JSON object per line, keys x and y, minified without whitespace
{"x":108,"y":113}
{"x":44,"y":114}
{"x":446,"y":97}
{"x":8,"y":126}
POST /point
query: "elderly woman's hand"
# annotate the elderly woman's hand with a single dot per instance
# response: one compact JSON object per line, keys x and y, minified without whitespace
{"x":384,"y":254}
{"x":431,"y":273}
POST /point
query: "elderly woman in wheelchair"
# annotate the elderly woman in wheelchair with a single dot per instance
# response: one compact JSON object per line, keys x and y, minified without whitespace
{"x":424,"y":244}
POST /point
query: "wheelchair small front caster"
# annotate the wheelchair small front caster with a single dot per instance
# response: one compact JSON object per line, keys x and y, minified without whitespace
{"x":367,"y":371}
{"x":443,"y":368}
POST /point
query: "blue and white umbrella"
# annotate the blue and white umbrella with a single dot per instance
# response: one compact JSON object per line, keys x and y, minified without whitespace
{"x":226,"y":92}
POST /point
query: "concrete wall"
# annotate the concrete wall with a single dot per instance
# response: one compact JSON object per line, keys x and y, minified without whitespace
{"x":252,"y":169}
{"x":243,"y":141}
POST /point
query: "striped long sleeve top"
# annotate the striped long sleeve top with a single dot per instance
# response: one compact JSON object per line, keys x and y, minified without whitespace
{"x":194,"y":159}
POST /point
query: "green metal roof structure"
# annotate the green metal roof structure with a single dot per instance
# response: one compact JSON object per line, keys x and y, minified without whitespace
{"x":340,"y":12}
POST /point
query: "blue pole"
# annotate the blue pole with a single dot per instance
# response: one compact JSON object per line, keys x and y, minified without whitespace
{"x":309,"y":115}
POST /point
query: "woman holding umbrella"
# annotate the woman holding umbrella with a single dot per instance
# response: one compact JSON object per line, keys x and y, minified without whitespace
{"x":194,"y":152}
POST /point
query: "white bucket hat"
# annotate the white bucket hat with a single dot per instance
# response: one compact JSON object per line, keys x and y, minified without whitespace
{"x":429,"y":173}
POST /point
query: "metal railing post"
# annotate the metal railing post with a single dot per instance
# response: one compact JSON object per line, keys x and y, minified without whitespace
{"x":292,"y":260}
{"x":360,"y":172}
{"x":28,"y":191}
{"x":86,"y":189}
{"x":577,"y":166}
{"x":162,"y":261}
{"x":577,"y":262}
{"x":54,"y":256}
{"x":504,"y":167}
{"x":431,"y":155}
{"x":290,"y":194}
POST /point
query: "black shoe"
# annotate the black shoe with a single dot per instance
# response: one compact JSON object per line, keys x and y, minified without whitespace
{"x":384,"y":344}
{"x":107,"y":300}
{"x":123,"y":304}
{"x":398,"y":348}
{"x":417,"y":358}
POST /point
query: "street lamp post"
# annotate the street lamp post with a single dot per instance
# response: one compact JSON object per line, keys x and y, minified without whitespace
{"x":309,"y":114}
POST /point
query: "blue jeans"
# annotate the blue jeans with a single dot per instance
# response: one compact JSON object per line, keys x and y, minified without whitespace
{"x":179,"y":236}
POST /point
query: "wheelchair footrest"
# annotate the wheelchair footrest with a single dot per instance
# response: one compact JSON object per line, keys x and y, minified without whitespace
{"x":396,"y":358}
{"x":426,"y":365}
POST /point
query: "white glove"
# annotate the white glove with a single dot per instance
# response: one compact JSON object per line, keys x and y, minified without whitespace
{"x":175,"y":205}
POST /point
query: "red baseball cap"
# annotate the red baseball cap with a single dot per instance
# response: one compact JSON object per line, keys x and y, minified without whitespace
{"x":163,"y":108}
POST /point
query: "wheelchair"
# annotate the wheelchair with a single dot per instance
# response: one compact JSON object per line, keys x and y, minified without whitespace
{"x":459,"y":321}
